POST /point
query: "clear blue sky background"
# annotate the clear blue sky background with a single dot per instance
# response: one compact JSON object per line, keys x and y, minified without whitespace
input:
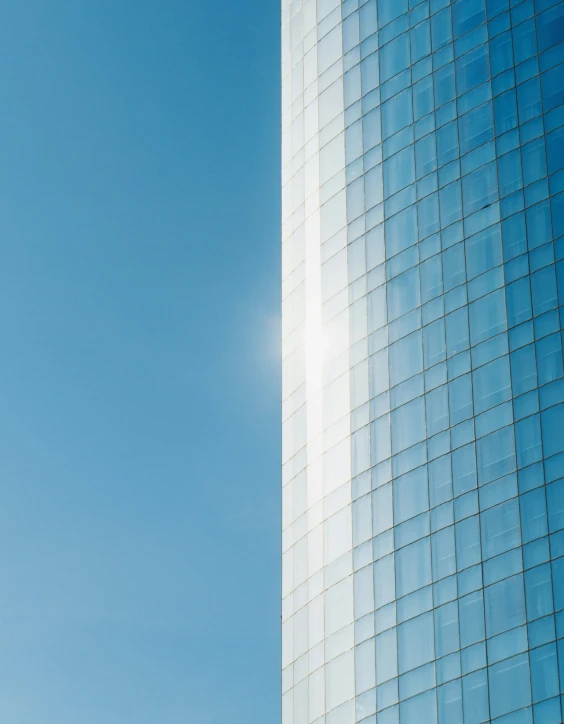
{"x":139,"y":373}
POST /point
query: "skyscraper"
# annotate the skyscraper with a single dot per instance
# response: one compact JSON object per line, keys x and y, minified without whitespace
{"x":423,"y":377}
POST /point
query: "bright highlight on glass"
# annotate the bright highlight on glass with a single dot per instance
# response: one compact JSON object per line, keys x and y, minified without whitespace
{"x":316,"y":345}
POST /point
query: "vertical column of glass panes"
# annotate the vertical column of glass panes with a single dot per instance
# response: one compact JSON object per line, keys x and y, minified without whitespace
{"x":317,"y":609}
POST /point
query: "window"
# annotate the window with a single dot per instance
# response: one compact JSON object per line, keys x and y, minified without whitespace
{"x":543,"y":285}
{"x":413,"y":567}
{"x":523,"y":370}
{"x":436,"y":403}
{"x":373,"y":189}
{"x":468,"y":14}
{"x":555,"y":502}
{"x":441,"y":28}
{"x":397,"y":113}
{"x":544,"y":672}
{"x":384,"y":581}
{"x":388,"y":12}
{"x":420,"y":41}
{"x":496,"y":455}
{"x":510,"y":175}
{"x":475,"y":697}
{"x":416,"y":642}
{"x":483,"y":251}
{"x":406,"y":358}
{"x":365,"y":666}
{"x":533,"y":515}
{"x":480,"y":188}
{"x":386,"y":656}
{"x":460,"y":399}
{"x":399,"y":171}
{"x":411,"y":495}
{"x":524,"y":41}
{"x":539,"y":227}
{"x":505,"y":111}
{"x":550,"y":27}
{"x":434,"y":343}
{"x":408,"y":425}
{"x":472,"y":69}
{"x":514,"y":236}
{"x":401,"y":231}
{"x":382,"y":511}
{"x":371,"y":129}
{"x":464,"y":469}
{"x":475,"y":128}
{"x":376,"y":309}
{"x":403,"y":293}
{"x":529,"y":100}
{"x":330,"y":49}
{"x":471,"y":612}
{"x":510,"y":685}
{"x":457,"y":332}
{"x":487,"y":317}
{"x":505,"y":605}
{"x":552,"y":89}
{"x":552,"y":426}
{"x":369,"y":73}
{"x":378,"y":372}
{"x":426,"y":155}
{"x":440,"y":480}
{"x":340,"y":680}
{"x":454,"y":267}
{"x":351,"y":32}
{"x":422,"y":709}
{"x":492,"y":385}
{"x":555,"y":150}
{"x":518,"y":298}
{"x":501,"y":52}
{"x":534,"y":161}
{"x":557,"y":206}
{"x":501,"y":529}
{"x":449,"y":698}
{"x":538,"y":583}
{"x":467,"y":542}
{"x":447,"y":143}
{"x":423,"y":102}
{"x":380,"y":443}
{"x":528,"y":441}
{"x":450,"y":203}
{"x":394,"y":57}
{"x":444,"y":564}
{"x":558,"y":583}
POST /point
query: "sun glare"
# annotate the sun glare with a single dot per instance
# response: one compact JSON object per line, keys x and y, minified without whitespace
{"x":316,"y":344}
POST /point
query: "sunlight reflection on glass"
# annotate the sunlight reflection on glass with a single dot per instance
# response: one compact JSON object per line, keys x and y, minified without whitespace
{"x":316,"y":345}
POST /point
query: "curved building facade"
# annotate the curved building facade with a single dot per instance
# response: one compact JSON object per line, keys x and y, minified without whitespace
{"x":423,"y":374}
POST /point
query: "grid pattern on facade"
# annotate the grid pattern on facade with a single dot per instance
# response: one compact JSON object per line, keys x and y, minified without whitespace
{"x":423,"y":372}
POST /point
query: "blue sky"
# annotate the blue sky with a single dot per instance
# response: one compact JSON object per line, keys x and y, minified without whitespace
{"x":139,"y":365}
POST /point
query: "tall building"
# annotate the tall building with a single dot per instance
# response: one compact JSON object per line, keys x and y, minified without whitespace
{"x":423,"y":387}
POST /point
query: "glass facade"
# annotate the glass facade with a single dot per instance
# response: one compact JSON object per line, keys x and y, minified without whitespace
{"x":423,"y":373}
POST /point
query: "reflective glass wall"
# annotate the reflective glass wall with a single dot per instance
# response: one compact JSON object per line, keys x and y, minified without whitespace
{"x":423,"y":373}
